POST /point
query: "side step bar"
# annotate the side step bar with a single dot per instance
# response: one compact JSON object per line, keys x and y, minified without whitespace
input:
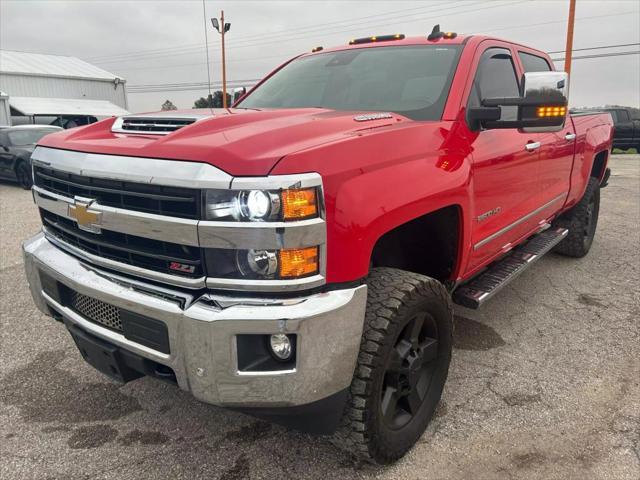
{"x":501,"y":273}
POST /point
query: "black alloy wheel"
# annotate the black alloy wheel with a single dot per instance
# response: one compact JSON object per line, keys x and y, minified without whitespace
{"x":409,"y":371}
{"x":23,"y":175}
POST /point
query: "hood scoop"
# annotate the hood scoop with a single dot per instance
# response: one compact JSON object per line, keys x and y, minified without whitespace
{"x":153,"y":125}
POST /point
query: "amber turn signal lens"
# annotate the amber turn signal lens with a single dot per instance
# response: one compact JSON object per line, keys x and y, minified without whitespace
{"x":298,"y":262}
{"x":551,"y":111}
{"x":298,"y":204}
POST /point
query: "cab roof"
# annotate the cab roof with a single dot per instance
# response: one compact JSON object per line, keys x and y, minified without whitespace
{"x":459,"y":39}
{"x":417,"y":40}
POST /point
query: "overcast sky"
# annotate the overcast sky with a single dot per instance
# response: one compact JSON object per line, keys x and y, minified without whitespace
{"x":162,"y":42}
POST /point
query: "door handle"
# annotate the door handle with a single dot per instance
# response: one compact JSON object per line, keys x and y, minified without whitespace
{"x":530,"y":147}
{"x":570,"y":136}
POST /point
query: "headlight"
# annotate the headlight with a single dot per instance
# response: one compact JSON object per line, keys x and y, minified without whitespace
{"x":261,"y":205}
{"x":286,"y":264}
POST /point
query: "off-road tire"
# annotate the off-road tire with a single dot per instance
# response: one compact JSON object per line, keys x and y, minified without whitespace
{"x":23,"y":175}
{"x":581,"y":221}
{"x":395,"y":297}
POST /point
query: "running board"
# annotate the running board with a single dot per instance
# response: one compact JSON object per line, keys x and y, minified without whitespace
{"x":501,"y":273}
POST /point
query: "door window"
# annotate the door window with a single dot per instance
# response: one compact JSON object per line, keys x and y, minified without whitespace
{"x":496,"y":78}
{"x":623,"y":115}
{"x":533,"y":63}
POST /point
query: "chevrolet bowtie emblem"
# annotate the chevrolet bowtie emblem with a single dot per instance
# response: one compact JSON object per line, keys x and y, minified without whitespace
{"x":88,"y":220}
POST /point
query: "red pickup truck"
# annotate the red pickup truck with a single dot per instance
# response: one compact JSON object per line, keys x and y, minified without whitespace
{"x":296,"y":256}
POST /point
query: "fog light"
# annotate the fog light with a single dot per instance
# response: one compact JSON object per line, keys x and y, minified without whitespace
{"x":280,"y":346}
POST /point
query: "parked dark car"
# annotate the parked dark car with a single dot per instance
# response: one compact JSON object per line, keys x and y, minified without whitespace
{"x":627,"y":129}
{"x":16,"y":146}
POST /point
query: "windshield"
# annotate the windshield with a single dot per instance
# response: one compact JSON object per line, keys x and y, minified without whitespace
{"x":410,"y":80}
{"x":29,"y":137}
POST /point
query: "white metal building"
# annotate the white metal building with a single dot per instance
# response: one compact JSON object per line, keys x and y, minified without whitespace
{"x":40,"y":86}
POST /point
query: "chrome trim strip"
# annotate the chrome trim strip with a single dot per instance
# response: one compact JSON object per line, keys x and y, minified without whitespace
{"x":511,"y":226}
{"x":175,"y":280}
{"x":275,"y":182}
{"x":176,"y":173}
{"x":265,"y":285}
{"x":262,"y":235}
{"x":159,"y":227}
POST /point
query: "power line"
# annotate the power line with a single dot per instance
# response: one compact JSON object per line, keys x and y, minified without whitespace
{"x":181,"y":87}
{"x":325,"y":30}
{"x":289,"y":55}
{"x":598,"y":48}
{"x":305,"y":28}
{"x":601,"y":55}
{"x":491,"y":29}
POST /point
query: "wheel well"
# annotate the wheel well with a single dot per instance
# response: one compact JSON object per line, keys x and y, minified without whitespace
{"x":427,"y":245}
{"x":599,"y":161}
{"x":18,"y":162}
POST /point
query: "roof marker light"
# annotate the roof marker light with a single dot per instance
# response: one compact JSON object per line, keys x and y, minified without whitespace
{"x":376,"y":38}
{"x":316,"y":49}
{"x":436,"y":34}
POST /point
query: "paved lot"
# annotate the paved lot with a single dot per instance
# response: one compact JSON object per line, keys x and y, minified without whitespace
{"x":544,"y":384}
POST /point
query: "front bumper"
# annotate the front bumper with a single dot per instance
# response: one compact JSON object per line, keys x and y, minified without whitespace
{"x":202,"y":332}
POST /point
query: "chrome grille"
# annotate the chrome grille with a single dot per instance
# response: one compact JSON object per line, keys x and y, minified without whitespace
{"x":137,"y":251}
{"x":96,"y":311}
{"x":158,"y":199}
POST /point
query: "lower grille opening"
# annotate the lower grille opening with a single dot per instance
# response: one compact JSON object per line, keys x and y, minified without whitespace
{"x":138,"y":328}
{"x":96,"y":311}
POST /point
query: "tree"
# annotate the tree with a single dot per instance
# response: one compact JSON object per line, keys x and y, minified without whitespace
{"x":168,"y":105}
{"x":212,"y":101}
{"x":204,"y":102}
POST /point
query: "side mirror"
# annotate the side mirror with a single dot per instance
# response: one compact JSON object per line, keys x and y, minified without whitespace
{"x":541,"y":108}
{"x":5,"y":148}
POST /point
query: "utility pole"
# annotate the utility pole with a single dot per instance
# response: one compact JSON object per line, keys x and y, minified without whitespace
{"x":222,"y":28}
{"x":569,"y":47}
{"x":224,"y":65}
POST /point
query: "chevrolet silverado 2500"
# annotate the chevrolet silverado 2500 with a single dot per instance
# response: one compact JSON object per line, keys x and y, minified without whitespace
{"x":296,"y":256}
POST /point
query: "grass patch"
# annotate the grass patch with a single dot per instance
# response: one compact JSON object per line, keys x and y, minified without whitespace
{"x":617,"y":151}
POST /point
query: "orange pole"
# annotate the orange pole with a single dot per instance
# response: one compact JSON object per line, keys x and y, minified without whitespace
{"x":569,"y":48}
{"x":224,"y":67}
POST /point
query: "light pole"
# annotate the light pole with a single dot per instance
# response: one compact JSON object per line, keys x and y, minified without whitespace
{"x":222,"y":28}
{"x":569,"y":48}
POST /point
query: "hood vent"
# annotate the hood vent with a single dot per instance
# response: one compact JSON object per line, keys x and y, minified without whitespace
{"x":150,"y":125}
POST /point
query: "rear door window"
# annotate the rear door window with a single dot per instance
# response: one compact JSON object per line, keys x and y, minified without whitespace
{"x":623,"y":115}
{"x":533,"y":63}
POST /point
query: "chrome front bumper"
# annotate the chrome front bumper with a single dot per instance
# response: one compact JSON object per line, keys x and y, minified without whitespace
{"x":202,"y":334}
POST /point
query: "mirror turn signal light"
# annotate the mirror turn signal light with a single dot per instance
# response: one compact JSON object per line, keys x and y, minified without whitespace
{"x":298,"y":262}
{"x":551,"y":111}
{"x":299,"y":203}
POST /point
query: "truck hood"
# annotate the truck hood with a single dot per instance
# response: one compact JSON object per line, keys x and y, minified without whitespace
{"x":240,"y":142}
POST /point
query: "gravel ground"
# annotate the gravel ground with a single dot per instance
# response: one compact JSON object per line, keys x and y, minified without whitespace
{"x":544,"y":383}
